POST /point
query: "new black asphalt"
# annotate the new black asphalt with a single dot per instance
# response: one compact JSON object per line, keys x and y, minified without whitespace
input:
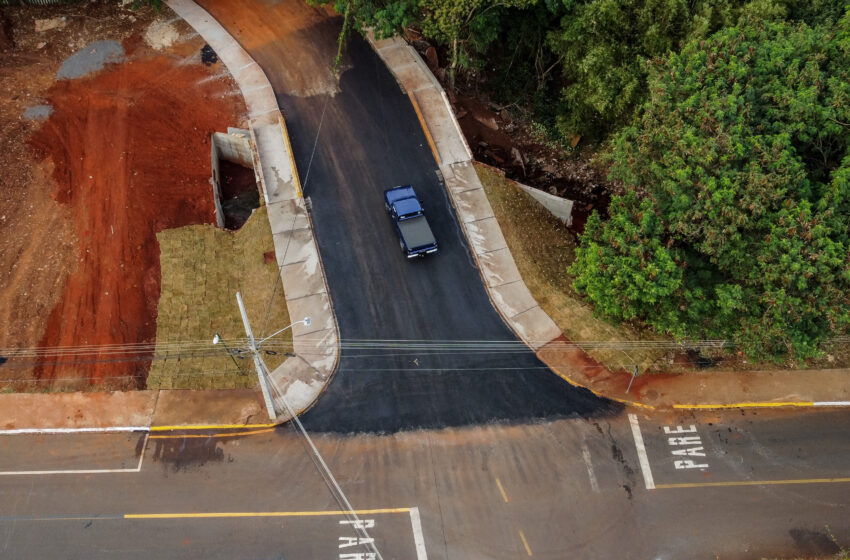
{"x":349,"y":148}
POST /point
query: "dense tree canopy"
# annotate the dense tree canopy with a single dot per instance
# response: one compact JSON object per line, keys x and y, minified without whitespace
{"x":737,"y":224}
{"x":465,"y":27}
{"x":579,"y":63}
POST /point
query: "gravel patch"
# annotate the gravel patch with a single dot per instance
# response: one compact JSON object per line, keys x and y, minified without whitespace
{"x":90,"y":59}
{"x":38,"y":112}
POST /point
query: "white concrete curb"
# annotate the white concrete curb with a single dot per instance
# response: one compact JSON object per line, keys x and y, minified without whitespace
{"x":302,"y":274}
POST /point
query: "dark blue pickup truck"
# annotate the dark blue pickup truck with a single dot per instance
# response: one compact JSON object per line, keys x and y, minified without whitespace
{"x":414,"y":233}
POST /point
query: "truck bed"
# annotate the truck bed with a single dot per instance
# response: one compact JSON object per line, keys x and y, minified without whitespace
{"x":416,"y":232}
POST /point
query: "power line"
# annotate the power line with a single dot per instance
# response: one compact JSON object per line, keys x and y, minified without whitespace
{"x":356,"y":349}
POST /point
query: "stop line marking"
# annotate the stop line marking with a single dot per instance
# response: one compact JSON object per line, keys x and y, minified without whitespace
{"x":641,"y":451}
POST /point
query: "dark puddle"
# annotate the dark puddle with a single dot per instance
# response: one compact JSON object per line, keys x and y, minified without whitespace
{"x":813,"y":542}
{"x":183,"y":453}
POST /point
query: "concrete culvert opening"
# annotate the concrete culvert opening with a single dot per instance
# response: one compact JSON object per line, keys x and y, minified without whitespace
{"x":235,"y":184}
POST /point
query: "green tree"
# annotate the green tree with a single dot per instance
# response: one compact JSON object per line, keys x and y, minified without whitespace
{"x":742,"y":156}
{"x":605,"y":45}
{"x":466,"y":27}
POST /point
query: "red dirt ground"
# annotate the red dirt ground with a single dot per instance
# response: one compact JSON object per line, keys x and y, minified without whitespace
{"x":130,"y":148}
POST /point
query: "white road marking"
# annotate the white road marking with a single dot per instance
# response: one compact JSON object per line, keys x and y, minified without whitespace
{"x":585,"y":453}
{"x":418,"y":539}
{"x":680,"y":429}
{"x":142,"y":454}
{"x":85,"y":471}
{"x":20,"y":431}
{"x":832,"y":403}
{"x":641,"y":451}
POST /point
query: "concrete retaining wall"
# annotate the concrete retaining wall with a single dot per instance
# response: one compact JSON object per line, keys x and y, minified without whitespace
{"x":236,"y":146}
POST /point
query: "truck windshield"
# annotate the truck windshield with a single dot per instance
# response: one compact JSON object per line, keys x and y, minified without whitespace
{"x":408,"y":208}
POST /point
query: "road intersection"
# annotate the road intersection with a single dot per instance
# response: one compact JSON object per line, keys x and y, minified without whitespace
{"x":444,"y":456}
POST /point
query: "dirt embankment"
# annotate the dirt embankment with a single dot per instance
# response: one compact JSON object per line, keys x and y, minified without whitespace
{"x":129,"y":147}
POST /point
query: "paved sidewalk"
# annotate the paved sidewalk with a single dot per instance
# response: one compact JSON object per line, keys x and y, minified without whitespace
{"x":298,"y":380}
{"x":520,"y":311}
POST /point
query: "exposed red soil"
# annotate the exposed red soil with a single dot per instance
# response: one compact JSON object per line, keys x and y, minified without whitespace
{"x":577,"y":365}
{"x":130,"y":148}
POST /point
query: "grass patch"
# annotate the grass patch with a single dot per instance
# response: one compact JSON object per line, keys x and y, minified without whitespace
{"x":202,"y":269}
{"x":543,"y":248}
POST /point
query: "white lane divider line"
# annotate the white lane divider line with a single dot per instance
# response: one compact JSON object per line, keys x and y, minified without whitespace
{"x":418,"y":539}
{"x":641,"y":451}
{"x":585,"y":454}
{"x":138,"y":467}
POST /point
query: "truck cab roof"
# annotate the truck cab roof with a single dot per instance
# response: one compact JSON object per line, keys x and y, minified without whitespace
{"x":404,"y":200}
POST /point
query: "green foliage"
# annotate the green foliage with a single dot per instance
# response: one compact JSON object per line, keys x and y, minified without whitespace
{"x":606,"y":44}
{"x":521,"y":69}
{"x":467,"y":27}
{"x":157,"y":4}
{"x":743,"y":152}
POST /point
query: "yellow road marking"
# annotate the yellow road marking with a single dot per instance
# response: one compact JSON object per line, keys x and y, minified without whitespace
{"x":502,"y":490}
{"x":259,"y":514}
{"x":424,"y":126}
{"x":229,"y":434}
{"x":743,"y":405}
{"x":525,"y":543}
{"x":210,"y":427}
{"x":754,"y":483}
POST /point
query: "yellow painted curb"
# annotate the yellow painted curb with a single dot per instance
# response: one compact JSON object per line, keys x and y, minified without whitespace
{"x":295,"y":178}
{"x":424,"y":127}
{"x":741,"y":405}
{"x":218,"y":435}
{"x":210,"y":427}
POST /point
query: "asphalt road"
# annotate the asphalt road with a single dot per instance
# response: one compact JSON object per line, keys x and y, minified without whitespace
{"x":570,"y":488}
{"x":349,"y":147}
{"x":515,"y":464}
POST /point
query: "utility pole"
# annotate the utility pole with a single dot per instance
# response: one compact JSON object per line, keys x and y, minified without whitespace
{"x":634,"y":374}
{"x":330,"y":480}
{"x":258,"y":365}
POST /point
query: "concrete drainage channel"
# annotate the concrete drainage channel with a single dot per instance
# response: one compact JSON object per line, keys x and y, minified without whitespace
{"x":235,"y":181}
